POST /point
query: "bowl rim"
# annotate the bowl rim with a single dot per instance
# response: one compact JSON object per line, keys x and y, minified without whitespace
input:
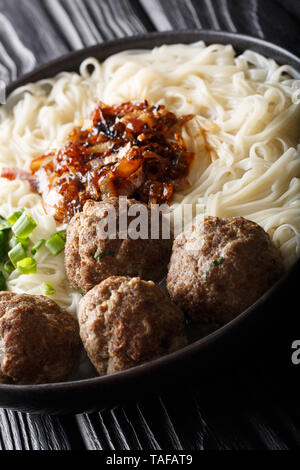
{"x":119,"y":45}
{"x":123,"y":43}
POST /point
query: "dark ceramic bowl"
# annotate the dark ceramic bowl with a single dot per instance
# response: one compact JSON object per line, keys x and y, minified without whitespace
{"x":218,"y":347}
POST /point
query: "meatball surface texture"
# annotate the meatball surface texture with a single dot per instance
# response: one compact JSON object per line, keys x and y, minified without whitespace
{"x":219,"y":267}
{"x":126,"y":321}
{"x":39,"y":342}
{"x":91,"y":257}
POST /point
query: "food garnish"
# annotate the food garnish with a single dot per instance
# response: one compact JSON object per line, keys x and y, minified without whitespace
{"x":8,"y":267}
{"x":47,"y":288}
{"x":4,"y":235}
{"x":218,"y":261}
{"x":17,"y":254}
{"x":14,"y":249}
{"x":38,"y":246}
{"x":15,"y":216}
{"x":15,"y":240}
{"x":55,"y":244}
{"x":27,"y":266}
{"x":24,"y":225}
{"x":104,"y":254}
{"x":3,"y":285}
{"x":4,"y":224}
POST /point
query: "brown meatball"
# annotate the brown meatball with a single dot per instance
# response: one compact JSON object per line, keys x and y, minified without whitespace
{"x":126,"y":321}
{"x":39,"y":342}
{"x":219,"y":267}
{"x":91,"y":257}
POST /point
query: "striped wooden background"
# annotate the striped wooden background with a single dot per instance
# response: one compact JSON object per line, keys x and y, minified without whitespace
{"x":236,"y":409}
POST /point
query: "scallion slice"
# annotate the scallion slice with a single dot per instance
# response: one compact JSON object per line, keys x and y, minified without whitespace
{"x":26,"y":266}
{"x":24,"y":226}
{"x":8,"y":267}
{"x":104,"y":254}
{"x":4,"y":224}
{"x":218,"y":261}
{"x":17,"y":254}
{"x":3,"y":285}
{"x":63,"y":234}
{"x":38,"y":246}
{"x":15,"y":240}
{"x":47,"y":288}
{"x":15,"y":216}
{"x":4,"y":234}
{"x":55,"y":244}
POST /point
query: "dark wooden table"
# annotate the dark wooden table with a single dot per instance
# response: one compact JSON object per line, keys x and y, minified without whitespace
{"x":251,"y":401}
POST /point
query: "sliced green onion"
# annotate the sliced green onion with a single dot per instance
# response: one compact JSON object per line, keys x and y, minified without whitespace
{"x":15,"y":216}
{"x":38,"y":246}
{"x":47,"y":288}
{"x":3,"y":285}
{"x":104,"y":254}
{"x":8,"y":267}
{"x":4,"y":234}
{"x":55,"y":244}
{"x":26,"y":266}
{"x":17,"y":254}
{"x":15,"y":240}
{"x":81,"y":291}
{"x":24,"y":226}
{"x":4,"y":224}
{"x":218,"y":261}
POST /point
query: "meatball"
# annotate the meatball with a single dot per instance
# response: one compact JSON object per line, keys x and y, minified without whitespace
{"x":219,"y":267}
{"x":126,"y":321}
{"x":39,"y":342}
{"x":91,"y":256}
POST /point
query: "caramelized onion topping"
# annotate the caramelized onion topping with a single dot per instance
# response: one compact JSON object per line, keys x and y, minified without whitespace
{"x":131,"y":149}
